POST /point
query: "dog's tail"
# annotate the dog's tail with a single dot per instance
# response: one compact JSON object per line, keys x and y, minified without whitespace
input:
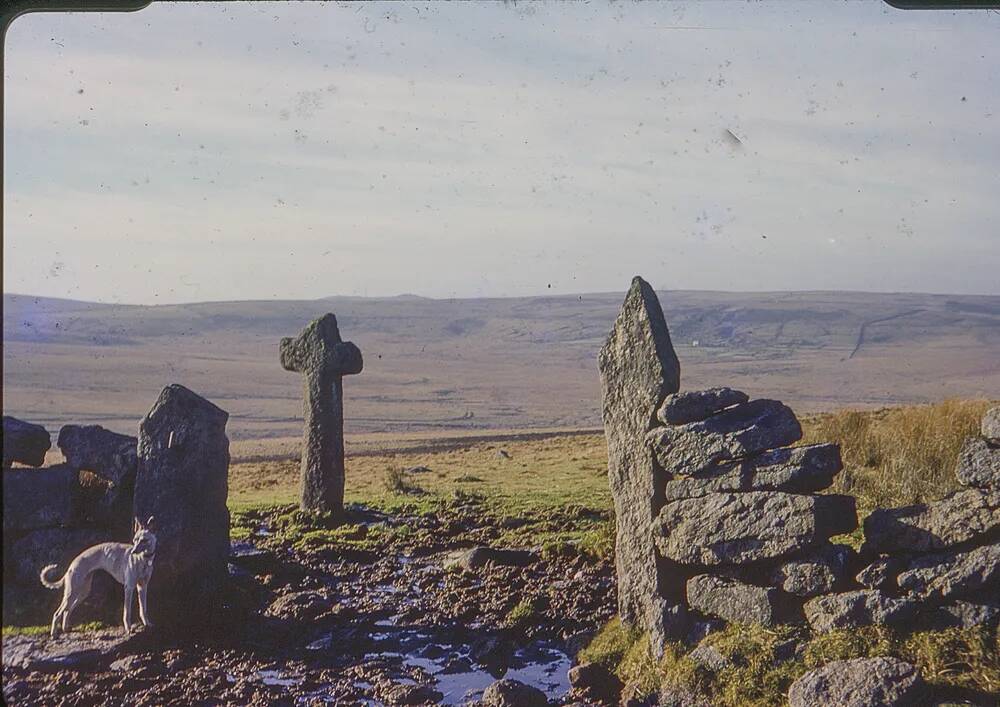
{"x":49,"y":583}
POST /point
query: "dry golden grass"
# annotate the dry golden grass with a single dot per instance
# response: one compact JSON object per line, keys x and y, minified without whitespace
{"x":897,"y":456}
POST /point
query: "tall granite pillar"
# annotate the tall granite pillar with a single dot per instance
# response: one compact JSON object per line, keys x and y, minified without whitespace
{"x":638,"y":370}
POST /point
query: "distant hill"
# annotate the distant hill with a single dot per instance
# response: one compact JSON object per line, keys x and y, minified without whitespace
{"x":489,"y":363}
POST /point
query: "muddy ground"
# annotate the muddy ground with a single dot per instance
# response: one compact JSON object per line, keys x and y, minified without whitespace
{"x":387,"y":610}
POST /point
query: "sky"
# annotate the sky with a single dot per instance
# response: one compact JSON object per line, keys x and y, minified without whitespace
{"x":230,"y":151}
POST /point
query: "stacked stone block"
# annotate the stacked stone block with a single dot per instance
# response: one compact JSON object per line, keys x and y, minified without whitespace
{"x":742,"y":522}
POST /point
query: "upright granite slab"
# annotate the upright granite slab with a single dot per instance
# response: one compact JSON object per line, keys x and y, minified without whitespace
{"x":638,"y":369}
{"x":182,"y":483}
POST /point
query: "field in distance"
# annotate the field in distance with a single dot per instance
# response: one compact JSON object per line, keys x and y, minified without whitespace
{"x":445,"y":368}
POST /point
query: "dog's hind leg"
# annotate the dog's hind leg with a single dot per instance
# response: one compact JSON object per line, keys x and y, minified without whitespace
{"x":75,"y":593}
{"x":57,"y":618}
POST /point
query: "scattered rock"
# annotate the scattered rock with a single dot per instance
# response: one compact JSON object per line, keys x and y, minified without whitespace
{"x":958,"y":614}
{"x":300,"y":606}
{"x":734,"y":601}
{"x":638,"y":369}
{"x":791,"y":469}
{"x":710,"y":658}
{"x":24,"y":442}
{"x":725,"y":528}
{"x":513,"y":693}
{"x":957,"y":518}
{"x":407,"y":694}
{"x":862,"y":607}
{"x":39,"y":498}
{"x":492,"y":651}
{"x":595,"y":682}
{"x":882,"y":572}
{"x":979,"y":463}
{"x":820,"y":572}
{"x":862,"y":682}
{"x":477,"y":557}
{"x":679,"y":697}
{"x":417,"y":470}
{"x":734,"y":433}
{"x":990,"y":426}
{"x":944,"y":575}
{"x":182,"y":483}
{"x":503,"y":454}
{"x":696,"y":405}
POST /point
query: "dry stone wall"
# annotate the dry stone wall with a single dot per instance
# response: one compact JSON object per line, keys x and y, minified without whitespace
{"x":176,"y":471}
{"x":720,"y":519}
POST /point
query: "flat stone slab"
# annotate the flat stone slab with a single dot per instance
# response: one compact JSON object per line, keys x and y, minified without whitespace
{"x":792,"y":469}
{"x":696,"y":405}
{"x":821,"y":571}
{"x":957,"y":518}
{"x":733,"y":528}
{"x":76,"y":650}
{"x":979,"y":463}
{"x":24,"y":442}
{"x":735,"y":433}
{"x":990,"y":425}
{"x":941,"y":576}
{"x":861,"y":682}
{"x":39,"y":498}
{"x":734,"y":601}
{"x":863,"y":607}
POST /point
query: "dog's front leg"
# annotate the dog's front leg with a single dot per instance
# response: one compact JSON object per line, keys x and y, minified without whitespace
{"x":143,"y":590}
{"x":127,"y":611}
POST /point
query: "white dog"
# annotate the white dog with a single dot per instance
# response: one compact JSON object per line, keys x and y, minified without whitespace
{"x":131,"y":565}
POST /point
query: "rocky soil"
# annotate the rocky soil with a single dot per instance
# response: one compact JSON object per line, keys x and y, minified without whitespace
{"x":394,"y":610}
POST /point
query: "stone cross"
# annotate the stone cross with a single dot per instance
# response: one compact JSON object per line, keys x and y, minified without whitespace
{"x":323,"y":359}
{"x":638,"y":370}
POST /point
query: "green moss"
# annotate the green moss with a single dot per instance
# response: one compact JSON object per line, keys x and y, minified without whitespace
{"x":44,"y":630}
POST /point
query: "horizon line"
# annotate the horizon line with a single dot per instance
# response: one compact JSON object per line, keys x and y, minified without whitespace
{"x":411,"y":295}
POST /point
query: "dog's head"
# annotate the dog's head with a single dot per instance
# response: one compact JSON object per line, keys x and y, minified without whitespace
{"x":144,"y":540}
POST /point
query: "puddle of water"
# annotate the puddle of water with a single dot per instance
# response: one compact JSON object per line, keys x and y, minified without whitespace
{"x":275,"y":678}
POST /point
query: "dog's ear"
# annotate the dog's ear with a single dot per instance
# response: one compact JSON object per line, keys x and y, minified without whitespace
{"x":149,"y":523}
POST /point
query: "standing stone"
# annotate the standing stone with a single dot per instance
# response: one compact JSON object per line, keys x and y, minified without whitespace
{"x":24,"y":442}
{"x":638,"y":370}
{"x":323,"y":359}
{"x":182,"y":482}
